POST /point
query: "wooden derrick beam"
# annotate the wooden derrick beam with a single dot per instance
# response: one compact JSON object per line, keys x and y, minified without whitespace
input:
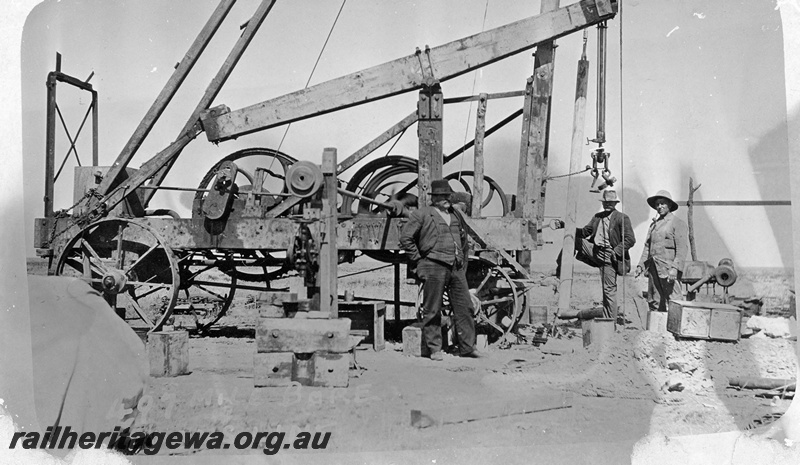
{"x":182,"y":70}
{"x":535,"y":139}
{"x":214,"y":87}
{"x":373,"y":145}
{"x":430,"y":129}
{"x":359,"y":233}
{"x":411,"y":72}
{"x":157,"y":167}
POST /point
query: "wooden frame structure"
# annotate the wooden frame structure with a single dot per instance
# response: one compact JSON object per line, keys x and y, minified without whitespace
{"x":304,"y":217}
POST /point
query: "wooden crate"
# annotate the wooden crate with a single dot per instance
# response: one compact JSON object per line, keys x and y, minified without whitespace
{"x":369,"y":316}
{"x":704,"y":320}
{"x":537,"y":315}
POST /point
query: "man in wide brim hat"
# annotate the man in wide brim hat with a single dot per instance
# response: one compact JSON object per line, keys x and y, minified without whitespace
{"x":662,"y":195}
{"x":664,"y":252}
{"x":604,"y":244}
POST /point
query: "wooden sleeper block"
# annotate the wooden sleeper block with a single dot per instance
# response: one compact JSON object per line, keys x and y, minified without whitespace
{"x":331,"y":369}
{"x":412,"y":341}
{"x":302,"y":335}
{"x":271,"y":304}
{"x":276,"y":298}
{"x":322,"y":369}
{"x":168,"y":353}
{"x":272,"y":369}
{"x":270,"y":311}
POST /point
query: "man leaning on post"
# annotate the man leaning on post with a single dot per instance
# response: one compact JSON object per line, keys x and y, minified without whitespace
{"x":435,"y":238}
{"x":604,"y":244}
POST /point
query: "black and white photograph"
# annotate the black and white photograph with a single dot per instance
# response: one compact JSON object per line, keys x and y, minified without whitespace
{"x":409,"y":231}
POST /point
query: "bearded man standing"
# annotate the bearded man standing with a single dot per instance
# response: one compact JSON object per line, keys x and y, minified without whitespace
{"x":435,"y":238}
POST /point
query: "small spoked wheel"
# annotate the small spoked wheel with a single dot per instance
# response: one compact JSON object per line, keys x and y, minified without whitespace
{"x":498,"y":298}
{"x":130,"y":264}
{"x":206,"y":290}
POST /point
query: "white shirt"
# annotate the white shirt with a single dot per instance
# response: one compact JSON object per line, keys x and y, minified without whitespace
{"x":445,"y":216}
{"x":601,"y":236}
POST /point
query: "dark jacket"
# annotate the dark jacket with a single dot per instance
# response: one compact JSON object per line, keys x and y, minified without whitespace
{"x":419,"y":235}
{"x":617,"y":221}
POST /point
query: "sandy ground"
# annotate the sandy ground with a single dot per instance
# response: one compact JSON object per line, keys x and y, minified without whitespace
{"x":640,"y":384}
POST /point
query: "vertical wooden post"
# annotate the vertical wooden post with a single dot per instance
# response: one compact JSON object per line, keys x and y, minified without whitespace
{"x":570,"y":216}
{"x":690,"y":218}
{"x":328,"y":253}
{"x":533,"y":162}
{"x":544,"y":67}
{"x":522,"y":179}
{"x":429,"y":130}
{"x":477,"y":179}
{"x":50,"y":142}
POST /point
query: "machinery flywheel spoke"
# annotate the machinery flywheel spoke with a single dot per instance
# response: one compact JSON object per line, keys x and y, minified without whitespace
{"x":154,"y":289}
{"x":84,"y":244}
{"x":140,"y":312}
{"x":143,"y":256}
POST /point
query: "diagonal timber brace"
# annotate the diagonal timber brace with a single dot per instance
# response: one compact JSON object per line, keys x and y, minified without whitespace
{"x":406,"y":74}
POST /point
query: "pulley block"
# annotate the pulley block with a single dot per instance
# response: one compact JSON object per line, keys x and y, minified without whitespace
{"x":303,"y":179}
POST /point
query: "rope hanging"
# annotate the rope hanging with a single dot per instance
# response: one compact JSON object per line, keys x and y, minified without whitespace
{"x":330,"y":32}
{"x":474,"y":80}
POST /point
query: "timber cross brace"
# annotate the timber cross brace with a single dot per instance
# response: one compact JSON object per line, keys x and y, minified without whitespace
{"x":260,"y":215}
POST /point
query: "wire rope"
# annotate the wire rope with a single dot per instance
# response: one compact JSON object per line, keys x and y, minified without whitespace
{"x":474,"y":81}
{"x":311,"y":75}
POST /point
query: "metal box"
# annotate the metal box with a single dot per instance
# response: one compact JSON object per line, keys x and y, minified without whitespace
{"x":694,"y":271}
{"x":704,"y":320}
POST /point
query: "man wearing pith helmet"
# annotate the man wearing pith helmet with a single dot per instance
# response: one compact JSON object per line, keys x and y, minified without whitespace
{"x":435,"y":238}
{"x":664,"y":252}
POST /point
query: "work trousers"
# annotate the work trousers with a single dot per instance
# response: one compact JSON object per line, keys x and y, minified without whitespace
{"x":660,"y":290}
{"x":600,"y":258}
{"x":437,"y":278}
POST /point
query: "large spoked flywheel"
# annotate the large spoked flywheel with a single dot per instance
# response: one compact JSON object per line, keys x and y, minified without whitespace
{"x":260,"y":266}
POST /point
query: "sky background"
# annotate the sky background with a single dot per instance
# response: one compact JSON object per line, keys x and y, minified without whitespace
{"x":700,"y":93}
